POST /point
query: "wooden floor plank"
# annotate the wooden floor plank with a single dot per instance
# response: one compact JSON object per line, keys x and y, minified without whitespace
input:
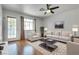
{"x":21,"y":48}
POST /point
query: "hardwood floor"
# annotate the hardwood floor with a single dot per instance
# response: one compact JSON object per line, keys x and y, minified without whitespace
{"x":21,"y":48}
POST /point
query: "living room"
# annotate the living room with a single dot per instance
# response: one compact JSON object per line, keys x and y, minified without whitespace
{"x":58,"y":27}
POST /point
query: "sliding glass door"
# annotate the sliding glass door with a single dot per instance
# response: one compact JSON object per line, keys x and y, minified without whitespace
{"x":11,"y":27}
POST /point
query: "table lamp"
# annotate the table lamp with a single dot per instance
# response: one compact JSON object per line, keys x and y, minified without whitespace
{"x":45,"y":30}
{"x":75,"y":30}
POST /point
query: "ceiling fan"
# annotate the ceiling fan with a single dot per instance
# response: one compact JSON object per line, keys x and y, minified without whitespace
{"x":48,"y":10}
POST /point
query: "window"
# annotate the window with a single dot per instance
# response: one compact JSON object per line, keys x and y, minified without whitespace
{"x":28,"y":24}
{"x":0,"y":29}
{"x":11,"y":27}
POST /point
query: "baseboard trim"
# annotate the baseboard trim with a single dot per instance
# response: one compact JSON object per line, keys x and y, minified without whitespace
{"x":13,"y":41}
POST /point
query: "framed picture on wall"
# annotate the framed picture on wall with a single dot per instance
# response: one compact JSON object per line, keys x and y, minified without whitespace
{"x":59,"y":25}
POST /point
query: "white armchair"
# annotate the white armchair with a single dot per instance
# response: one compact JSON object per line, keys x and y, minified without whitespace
{"x":34,"y":37}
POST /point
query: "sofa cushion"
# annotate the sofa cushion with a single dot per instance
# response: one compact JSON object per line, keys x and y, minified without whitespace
{"x":67,"y":34}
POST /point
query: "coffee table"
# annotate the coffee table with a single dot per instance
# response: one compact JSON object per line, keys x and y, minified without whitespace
{"x":48,"y":44}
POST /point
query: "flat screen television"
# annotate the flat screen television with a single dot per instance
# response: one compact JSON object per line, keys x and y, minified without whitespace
{"x":59,"y":25}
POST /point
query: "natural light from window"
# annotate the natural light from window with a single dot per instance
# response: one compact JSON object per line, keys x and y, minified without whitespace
{"x":0,"y":29}
{"x":28,"y":24}
{"x":11,"y":27}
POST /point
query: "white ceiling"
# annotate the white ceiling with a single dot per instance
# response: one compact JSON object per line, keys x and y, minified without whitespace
{"x":33,"y":9}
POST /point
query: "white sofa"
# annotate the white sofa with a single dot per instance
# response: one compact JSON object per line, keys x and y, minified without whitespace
{"x":72,"y":48}
{"x":58,"y":35}
{"x":61,"y":36}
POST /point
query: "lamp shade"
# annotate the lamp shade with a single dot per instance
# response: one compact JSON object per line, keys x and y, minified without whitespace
{"x":75,"y":29}
{"x":48,"y":11}
{"x":45,"y":29}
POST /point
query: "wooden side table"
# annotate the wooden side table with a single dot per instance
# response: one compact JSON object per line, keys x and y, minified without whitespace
{"x":72,"y":38}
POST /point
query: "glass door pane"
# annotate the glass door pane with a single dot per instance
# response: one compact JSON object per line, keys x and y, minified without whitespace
{"x":11,"y":27}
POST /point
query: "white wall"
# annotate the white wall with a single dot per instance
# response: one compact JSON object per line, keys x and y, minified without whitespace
{"x":0,"y":23}
{"x":17,"y":15}
{"x":70,"y":18}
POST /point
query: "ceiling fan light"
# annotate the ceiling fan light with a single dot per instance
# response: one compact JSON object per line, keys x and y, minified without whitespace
{"x":48,"y":11}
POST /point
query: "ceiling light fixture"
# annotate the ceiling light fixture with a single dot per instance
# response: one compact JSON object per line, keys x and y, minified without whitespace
{"x":48,"y":11}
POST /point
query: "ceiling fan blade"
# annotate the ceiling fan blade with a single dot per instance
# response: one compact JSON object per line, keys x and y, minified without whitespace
{"x":47,"y":6}
{"x":52,"y":12}
{"x":54,"y":8}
